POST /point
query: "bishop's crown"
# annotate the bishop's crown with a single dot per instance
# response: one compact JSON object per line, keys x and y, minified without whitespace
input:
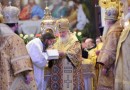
{"x":48,"y":22}
{"x":11,"y":14}
{"x":111,"y":13}
{"x":62,"y":24}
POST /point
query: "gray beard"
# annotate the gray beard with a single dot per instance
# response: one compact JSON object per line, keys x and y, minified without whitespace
{"x":64,"y":39}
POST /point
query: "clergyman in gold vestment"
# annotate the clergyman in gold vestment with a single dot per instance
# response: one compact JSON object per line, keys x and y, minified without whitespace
{"x":107,"y":54}
{"x":107,"y":57}
{"x":66,"y":72}
{"x":15,"y":63}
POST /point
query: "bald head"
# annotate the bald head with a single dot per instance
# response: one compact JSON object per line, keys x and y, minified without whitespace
{"x":89,"y":42}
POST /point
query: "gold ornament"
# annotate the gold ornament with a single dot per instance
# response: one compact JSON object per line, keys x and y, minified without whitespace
{"x":48,"y":22}
{"x":104,"y":3}
{"x":112,"y":8}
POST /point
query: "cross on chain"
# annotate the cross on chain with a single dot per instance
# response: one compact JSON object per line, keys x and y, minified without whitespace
{"x":68,"y":81}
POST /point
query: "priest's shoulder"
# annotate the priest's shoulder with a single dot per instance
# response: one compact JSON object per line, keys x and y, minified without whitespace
{"x":6,"y":32}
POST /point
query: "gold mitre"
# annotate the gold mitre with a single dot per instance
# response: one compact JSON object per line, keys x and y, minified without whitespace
{"x":104,"y":3}
{"x":62,"y":24}
{"x":108,"y":3}
{"x":48,"y":22}
{"x":111,"y":13}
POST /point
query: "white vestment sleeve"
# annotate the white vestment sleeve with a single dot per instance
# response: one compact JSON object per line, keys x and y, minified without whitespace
{"x":80,"y":25}
{"x":37,"y":56}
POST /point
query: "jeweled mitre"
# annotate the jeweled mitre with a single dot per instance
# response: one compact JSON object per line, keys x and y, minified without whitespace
{"x":11,"y":14}
{"x":62,"y":24}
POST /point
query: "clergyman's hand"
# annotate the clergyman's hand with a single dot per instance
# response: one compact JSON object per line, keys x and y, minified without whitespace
{"x":61,"y":54}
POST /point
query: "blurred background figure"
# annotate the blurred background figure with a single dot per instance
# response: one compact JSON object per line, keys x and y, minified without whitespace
{"x":31,"y":11}
{"x":59,"y":9}
{"x":54,"y":3}
{"x":72,"y":15}
{"x":81,"y":16}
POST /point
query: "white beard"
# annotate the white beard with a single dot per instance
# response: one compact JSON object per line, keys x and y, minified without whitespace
{"x":64,"y":39}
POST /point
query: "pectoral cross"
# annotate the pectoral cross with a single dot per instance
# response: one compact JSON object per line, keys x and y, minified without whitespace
{"x":68,"y":81}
